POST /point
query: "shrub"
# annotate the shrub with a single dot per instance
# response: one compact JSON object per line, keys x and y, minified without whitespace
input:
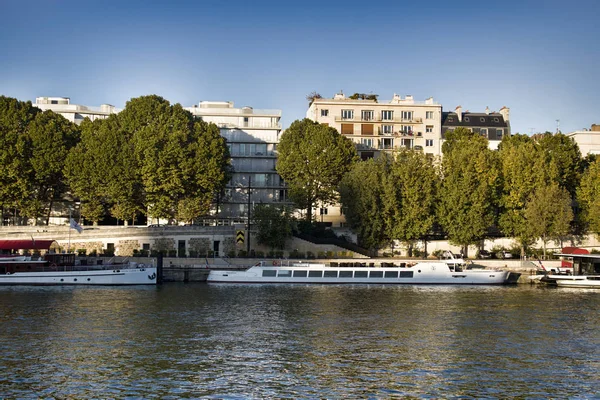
{"x":193,"y":253}
{"x":231,"y":254}
{"x":296,"y":254}
{"x":172,"y":253}
{"x":321,"y":254}
{"x":279,"y":254}
{"x":310,"y":254}
{"x":260,"y":254}
{"x":242,"y":253}
{"x":93,"y":253}
{"x":271,"y":254}
{"x":438,"y":253}
{"x":181,"y":253}
{"x":81,"y":252}
{"x":144,"y":253}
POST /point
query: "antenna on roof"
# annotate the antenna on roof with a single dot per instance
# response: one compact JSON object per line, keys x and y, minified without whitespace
{"x":558,"y":126}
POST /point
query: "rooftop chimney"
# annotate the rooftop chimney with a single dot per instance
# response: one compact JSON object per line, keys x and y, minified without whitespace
{"x":505,"y":111}
{"x":458,"y":111}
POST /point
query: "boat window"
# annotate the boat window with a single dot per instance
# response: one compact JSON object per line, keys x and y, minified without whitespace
{"x":300,"y":274}
{"x":361,"y":274}
{"x":406,"y":274}
{"x":269,"y":272}
{"x":284,"y":273}
{"x":376,"y":274}
{"x":315,"y":274}
{"x":391,"y":274}
{"x":330,"y":274}
{"x":345,"y":274}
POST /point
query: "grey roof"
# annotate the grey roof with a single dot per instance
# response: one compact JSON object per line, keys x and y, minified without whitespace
{"x":474,"y":119}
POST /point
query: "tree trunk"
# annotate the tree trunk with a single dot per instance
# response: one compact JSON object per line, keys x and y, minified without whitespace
{"x":544,"y":241}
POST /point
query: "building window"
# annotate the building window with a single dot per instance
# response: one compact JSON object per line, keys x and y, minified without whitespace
{"x":408,"y":143}
{"x":323,"y":211}
{"x":387,"y":144}
{"x":368,"y":143}
{"x":347,"y":114}
{"x":387,"y":115}
{"x":429,"y":114}
{"x":428,"y":142}
{"x":483,"y":132}
{"x":429,"y":128}
{"x":407,"y":115}
{"x":324,"y":113}
{"x":387,"y":129}
{"x":366,"y":129}
{"x":499,"y":133}
{"x":406,"y":129}
{"x":366,"y":115}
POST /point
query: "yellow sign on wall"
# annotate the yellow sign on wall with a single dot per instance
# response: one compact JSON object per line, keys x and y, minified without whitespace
{"x":239,"y":237}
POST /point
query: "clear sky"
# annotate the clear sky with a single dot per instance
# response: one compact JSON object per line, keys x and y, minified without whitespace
{"x":539,"y":58}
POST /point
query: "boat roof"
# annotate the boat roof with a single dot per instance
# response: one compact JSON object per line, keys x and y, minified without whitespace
{"x":586,"y":256}
{"x":27,"y":244}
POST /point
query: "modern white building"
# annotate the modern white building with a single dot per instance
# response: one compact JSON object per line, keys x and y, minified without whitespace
{"x":74,"y":112}
{"x":587,"y":140}
{"x":252,"y":136}
{"x":377,"y":126}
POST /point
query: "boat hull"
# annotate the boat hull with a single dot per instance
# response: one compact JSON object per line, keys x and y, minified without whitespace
{"x":126,"y":276}
{"x":585,"y":283}
{"x":430,"y":274}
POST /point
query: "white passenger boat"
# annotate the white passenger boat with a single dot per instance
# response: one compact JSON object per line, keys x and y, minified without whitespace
{"x":449,"y":272}
{"x":581,"y":281}
{"x":60,"y":269}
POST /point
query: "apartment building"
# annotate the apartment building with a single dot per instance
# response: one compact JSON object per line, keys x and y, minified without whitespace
{"x":74,"y":112}
{"x":490,"y":124}
{"x":376,"y":126}
{"x":252,"y":136}
{"x":588,"y":140}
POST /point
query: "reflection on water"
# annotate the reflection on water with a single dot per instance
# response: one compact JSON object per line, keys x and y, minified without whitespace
{"x":257,"y":341}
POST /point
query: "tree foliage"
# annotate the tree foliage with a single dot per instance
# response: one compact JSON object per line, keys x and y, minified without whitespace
{"x":548,"y":213}
{"x":273,"y":225}
{"x":525,"y":170}
{"x":469,"y":189}
{"x":313,"y":158}
{"x":152,"y":156}
{"x":588,"y":196}
{"x":362,"y":200}
{"x":410,"y":196}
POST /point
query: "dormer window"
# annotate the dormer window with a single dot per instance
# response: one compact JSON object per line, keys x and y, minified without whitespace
{"x":482,"y":119}
{"x":496,"y":120}
{"x":466,"y":119}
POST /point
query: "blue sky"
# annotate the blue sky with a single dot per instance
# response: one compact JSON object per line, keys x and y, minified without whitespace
{"x":540,"y":58}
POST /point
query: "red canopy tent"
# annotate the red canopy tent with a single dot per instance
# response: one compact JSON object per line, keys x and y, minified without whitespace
{"x":26,"y":244}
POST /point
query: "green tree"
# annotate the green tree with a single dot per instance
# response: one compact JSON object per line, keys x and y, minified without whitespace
{"x":564,"y":153}
{"x":469,"y":189}
{"x":15,"y":151}
{"x":313,"y":158}
{"x":525,"y":170}
{"x":548,"y":213}
{"x":50,"y":137}
{"x":362,"y":199}
{"x":273,"y":225}
{"x":182,"y":163}
{"x":588,"y":196}
{"x":410,"y":196}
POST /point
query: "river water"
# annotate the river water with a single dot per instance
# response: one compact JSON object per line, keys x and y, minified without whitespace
{"x":299,"y":341}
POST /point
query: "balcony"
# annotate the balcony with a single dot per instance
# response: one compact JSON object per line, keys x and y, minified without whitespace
{"x":377,"y":118}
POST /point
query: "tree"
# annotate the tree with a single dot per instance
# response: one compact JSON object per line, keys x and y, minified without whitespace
{"x":410,"y":196}
{"x":15,"y":118}
{"x":50,"y":138}
{"x":182,"y":163}
{"x":470,"y":182}
{"x":564,"y":153}
{"x":548,"y":213}
{"x":588,"y":196}
{"x":362,"y":199}
{"x":274,"y":225}
{"x":312,"y":96}
{"x":313,"y":158}
{"x":524,"y":171}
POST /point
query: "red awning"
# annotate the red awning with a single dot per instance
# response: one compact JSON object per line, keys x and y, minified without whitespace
{"x":574,"y":250}
{"x":26,"y":244}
